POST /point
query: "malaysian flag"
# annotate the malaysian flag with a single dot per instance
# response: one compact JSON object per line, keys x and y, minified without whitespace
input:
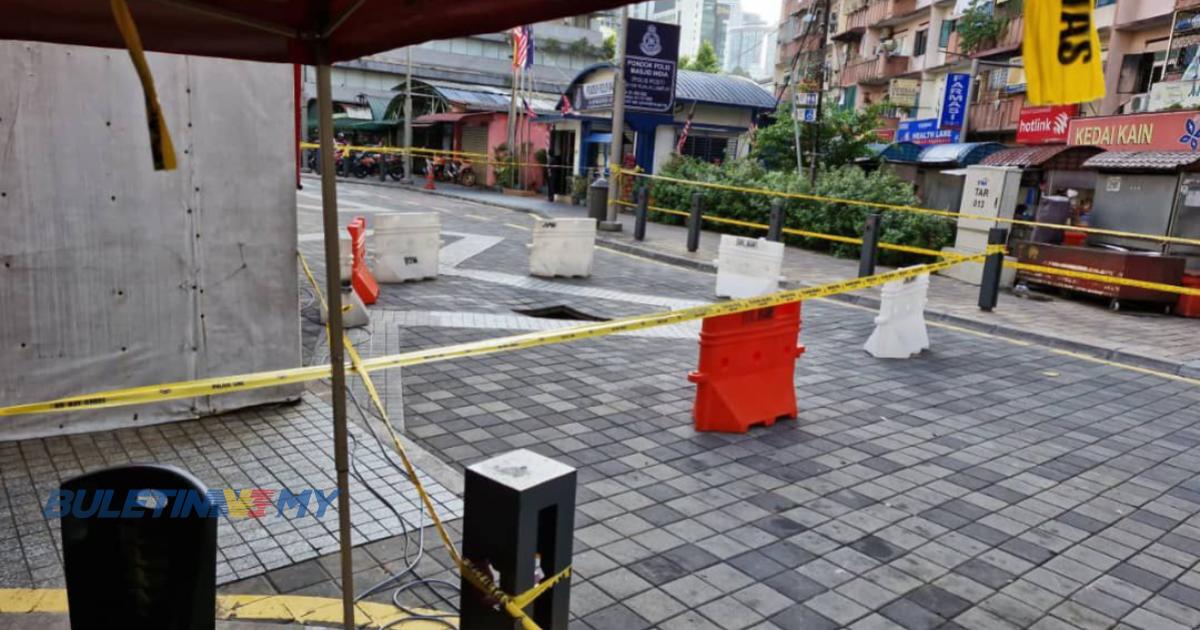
{"x":687,"y":127}
{"x":522,"y":39}
{"x":566,"y":104}
{"x":528,"y":109}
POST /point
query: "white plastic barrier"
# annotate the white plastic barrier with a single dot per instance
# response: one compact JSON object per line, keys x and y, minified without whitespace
{"x":346,"y":258}
{"x":900,"y":326}
{"x":353,"y":317}
{"x":748,"y":267}
{"x":562,"y":247}
{"x":406,"y":246}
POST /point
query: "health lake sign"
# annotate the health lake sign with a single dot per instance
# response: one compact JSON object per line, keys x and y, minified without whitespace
{"x":1166,"y":131}
{"x":925,"y":131}
{"x":651,"y":58}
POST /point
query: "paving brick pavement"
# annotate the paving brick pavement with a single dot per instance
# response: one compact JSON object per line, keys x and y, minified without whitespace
{"x":985,"y":484}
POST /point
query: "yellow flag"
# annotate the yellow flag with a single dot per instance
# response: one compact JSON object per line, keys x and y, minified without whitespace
{"x":1062,"y":52}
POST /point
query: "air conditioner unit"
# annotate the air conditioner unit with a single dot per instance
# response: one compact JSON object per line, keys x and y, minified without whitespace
{"x":889,"y":46}
{"x":1138,"y":104}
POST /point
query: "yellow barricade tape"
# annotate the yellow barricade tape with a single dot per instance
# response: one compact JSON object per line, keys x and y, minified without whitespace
{"x":428,"y":154}
{"x":918,"y":210}
{"x":271,"y":378}
{"x":477,"y":578}
{"x":1099,"y":277}
{"x":798,"y":232}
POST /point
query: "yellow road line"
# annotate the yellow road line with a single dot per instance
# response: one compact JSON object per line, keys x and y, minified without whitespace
{"x":277,"y":608}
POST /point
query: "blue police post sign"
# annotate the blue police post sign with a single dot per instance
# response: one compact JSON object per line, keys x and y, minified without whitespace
{"x":954,"y":103}
{"x":651,"y":58}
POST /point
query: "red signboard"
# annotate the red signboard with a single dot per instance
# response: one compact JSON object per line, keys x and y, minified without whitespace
{"x":1166,"y":131}
{"x":885,"y":135}
{"x":1045,"y":125}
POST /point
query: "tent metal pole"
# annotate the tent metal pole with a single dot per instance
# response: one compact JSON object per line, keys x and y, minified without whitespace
{"x":333,"y":293}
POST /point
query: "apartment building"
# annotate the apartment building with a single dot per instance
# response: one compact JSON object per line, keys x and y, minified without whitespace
{"x":798,"y":42}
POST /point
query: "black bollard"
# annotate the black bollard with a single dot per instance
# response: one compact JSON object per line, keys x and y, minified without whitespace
{"x":989,"y":285}
{"x":640,"y":214}
{"x":518,"y":520}
{"x":775,"y":230}
{"x":869,"y":253}
{"x":693,"y":222}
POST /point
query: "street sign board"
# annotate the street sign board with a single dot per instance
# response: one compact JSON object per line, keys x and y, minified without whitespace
{"x":806,"y":114}
{"x":954,"y":103}
{"x":903,"y":92}
{"x":925,"y":131}
{"x":651,"y":58}
{"x":806,"y":99}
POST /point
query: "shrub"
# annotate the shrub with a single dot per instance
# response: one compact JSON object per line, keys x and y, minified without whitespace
{"x":836,"y":218}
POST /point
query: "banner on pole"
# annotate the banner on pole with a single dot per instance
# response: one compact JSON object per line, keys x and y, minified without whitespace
{"x":1062,"y":52}
{"x":954,"y":102}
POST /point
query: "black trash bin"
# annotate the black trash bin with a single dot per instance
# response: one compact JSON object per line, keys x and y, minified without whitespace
{"x":142,"y":572}
{"x":598,"y":199}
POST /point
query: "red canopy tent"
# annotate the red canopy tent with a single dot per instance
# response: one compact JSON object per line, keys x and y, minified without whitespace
{"x":314,"y":32}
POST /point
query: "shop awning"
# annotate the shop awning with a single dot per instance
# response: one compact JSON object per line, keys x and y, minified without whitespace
{"x":901,"y":152}
{"x":1058,"y":156}
{"x":1144,"y":161}
{"x":961,"y":154}
{"x":441,"y":117}
{"x":606,"y":138}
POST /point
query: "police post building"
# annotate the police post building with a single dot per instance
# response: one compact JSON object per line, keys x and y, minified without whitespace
{"x":723,"y":109}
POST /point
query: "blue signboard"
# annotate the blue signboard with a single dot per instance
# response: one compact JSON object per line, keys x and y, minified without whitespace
{"x":954,"y":104}
{"x":651,"y":57}
{"x":925,"y":131}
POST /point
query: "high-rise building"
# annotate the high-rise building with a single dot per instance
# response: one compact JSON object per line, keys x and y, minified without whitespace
{"x":750,"y":47}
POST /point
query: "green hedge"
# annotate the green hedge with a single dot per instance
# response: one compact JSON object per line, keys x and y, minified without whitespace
{"x":847,"y":182}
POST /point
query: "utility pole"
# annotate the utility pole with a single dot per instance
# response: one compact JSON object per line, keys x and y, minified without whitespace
{"x":408,"y":117}
{"x":816,"y":135}
{"x":974,"y":72}
{"x":616,"y":152}
{"x":796,"y":117}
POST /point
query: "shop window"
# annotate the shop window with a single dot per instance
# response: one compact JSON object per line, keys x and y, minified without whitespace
{"x":1136,"y":73}
{"x":920,"y":42}
{"x":1104,"y":3}
{"x":706,"y":148}
{"x":944,"y":36}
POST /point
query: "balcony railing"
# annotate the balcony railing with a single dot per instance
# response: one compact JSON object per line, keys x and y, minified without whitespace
{"x":996,"y":112}
{"x":1182,"y":5}
{"x":898,"y":8}
{"x":1009,"y":39}
{"x":854,"y":26}
{"x":873,"y":71}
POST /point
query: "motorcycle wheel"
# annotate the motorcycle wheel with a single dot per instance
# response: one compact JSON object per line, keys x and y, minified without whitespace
{"x":360,"y":171}
{"x":467,"y":178}
{"x":396,"y":172}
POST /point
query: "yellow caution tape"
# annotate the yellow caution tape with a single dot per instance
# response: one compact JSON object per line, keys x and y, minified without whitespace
{"x":513,"y":604}
{"x":798,"y":232}
{"x":1099,"y":277}
{"x":271,"y":378}
{"x":919,"y":210}
{"x":429,"y":154}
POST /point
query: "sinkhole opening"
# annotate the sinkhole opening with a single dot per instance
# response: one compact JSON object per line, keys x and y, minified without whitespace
{"x":559,"y":311}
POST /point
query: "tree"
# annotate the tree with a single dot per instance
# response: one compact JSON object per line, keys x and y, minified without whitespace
{"x":706,"y":60}
{"x":610,"y":47}
{"x":843,"y":137}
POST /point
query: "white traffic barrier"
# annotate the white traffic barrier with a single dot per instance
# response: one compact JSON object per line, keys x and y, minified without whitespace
{"x":562,"y":247}
{"x":354,"y":312}
{"x":406,"y":245}
{"x":900,"y":326}
{"x":346,"y":258}
{"x":748,"y":267}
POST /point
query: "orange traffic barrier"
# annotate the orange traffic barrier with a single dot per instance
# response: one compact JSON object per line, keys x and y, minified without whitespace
{"x":360,"y":276}
{"x":429,"y":175}
{"x":747,"y":366}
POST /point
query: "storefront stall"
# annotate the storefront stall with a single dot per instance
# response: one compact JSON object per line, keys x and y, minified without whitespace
{"x":940,"y":171}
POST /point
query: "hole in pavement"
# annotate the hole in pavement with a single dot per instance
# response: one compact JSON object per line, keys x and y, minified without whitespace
{"x":559,"y":311}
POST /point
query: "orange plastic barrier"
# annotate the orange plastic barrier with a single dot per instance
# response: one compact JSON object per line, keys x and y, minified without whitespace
{"x":747,"y":366}
{"x":1189,"y":305}
{"x":360,"y":278}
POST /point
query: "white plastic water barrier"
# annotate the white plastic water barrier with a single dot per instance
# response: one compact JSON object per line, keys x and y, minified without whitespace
{"x":346,"y":258}
{"x":406,"y":246}
{"x":900,"y":326}
{"x":747,"y":267}
{"x":562,"y":247}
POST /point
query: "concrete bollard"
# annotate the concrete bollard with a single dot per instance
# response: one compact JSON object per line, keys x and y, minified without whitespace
{"x":869,"y":253}
{"x":693,"y":222}
{"x":989,"y":285}
{"x":518,"y":526}
{"x":640,"y":214}
{"x":775,"y":229}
